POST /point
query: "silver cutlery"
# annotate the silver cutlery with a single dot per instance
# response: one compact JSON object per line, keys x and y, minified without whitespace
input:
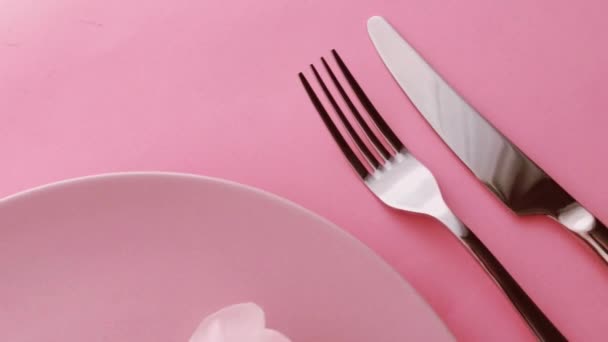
{"x":522,"y":185}
{"x":400,"y":181}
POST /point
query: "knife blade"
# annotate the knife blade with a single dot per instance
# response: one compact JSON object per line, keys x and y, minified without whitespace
{"x":517,"y":181}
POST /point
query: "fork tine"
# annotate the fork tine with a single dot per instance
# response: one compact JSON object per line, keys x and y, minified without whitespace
{"x":368,"y":131}
{"x":367,"y":104}
{"x":346,"y":150}
{"x":366,"y":152}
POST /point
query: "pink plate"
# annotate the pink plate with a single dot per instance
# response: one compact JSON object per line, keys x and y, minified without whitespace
{"x":145,"y":256}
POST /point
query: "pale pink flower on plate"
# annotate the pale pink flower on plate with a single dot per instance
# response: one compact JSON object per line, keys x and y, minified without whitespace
{"x":237,"y":323}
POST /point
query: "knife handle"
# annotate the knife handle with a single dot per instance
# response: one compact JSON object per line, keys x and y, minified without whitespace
{"x":597,"y":238}
{"x":532,"y":314}
{"x":587,"y":227}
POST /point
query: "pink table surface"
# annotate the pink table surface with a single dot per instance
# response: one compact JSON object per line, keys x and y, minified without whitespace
{"x":210,"y":87}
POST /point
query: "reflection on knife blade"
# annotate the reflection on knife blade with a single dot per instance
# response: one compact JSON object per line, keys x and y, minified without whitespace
{"x":501,"y":166}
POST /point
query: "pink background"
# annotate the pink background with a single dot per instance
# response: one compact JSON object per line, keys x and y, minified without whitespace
{"x":210,"y":87}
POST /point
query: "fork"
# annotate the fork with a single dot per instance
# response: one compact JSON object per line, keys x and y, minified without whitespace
{"x":399,"y":180}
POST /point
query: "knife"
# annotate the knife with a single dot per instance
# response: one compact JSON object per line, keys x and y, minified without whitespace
{"x":517,"y":181}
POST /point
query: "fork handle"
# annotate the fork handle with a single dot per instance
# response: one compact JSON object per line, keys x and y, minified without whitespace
{"x":536,"y":319}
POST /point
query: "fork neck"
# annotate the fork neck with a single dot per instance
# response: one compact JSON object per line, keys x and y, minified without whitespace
{"x":453,"y":223}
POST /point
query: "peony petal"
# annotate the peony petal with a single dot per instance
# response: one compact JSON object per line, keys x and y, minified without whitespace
{"x":232,"y":323}
{"x":210,"y":332}
{"x":269,"y":335}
